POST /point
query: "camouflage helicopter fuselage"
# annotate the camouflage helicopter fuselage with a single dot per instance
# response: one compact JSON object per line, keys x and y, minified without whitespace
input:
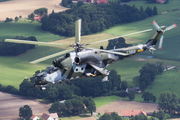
{"x":92,"y":62}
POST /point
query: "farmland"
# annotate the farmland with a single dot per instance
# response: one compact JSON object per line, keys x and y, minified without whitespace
{"x":14,"y":69}
{"x":130,"y":66}
{"x":13,"y":8}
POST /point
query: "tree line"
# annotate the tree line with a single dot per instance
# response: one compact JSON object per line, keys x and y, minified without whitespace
{"x":13,"y":49}
{"x":74,"y":106}
{"x":155,"y":1}
{"x":148,"y":73}
{"x":95,"y":18}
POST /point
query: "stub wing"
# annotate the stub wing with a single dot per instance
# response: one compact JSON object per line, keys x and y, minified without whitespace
{"x":105,"y":73}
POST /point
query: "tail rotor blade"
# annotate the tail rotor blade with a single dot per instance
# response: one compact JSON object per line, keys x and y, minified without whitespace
{"x":156,"y":25}
{"x":161,"y":42}
{"x":171,"y":27}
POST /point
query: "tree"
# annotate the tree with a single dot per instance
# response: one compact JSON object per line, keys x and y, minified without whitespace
{"x":24,"y":86}
{"x":52,"y":93}
{"x":112,"y":116}
{"x":117,"y":43}
{"x":31,"y":16}
{"x":141,"y":9}
{"x":148,"y":11}
{"x":131,"y":95}
{"x":160,"y":115}
{"x":105,"y":117}
{"x":90,"y":104}
{"x":41,"y":11}
{"x":155,"y":12}
{"x":8,"y":19}
{"x":168,"y":101}
{"x":80,"y":3}
{"x":20,"y":17}
{"x":58,"y":108}
{"x":139,"y":117}
{"x":95,"y":18}
{"x":124,"y":85}
{"x":25,"y":112}
{"x":16,"y":18}
{"x":143,"y":86}
{"x":149,"y":97}
{"x":64,"y":3}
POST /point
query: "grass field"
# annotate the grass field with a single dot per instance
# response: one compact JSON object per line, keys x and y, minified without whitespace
{"x":128,"y":69}
{"x":26,"y":29}
{"x":168,"y":81}
{"x":172,"y":4}
{"x":100,"y":101}
{"x":78,"y":117}
{"x":13,"y":71}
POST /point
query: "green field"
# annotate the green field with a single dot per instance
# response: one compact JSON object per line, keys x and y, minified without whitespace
{"x":128,"y":69}
{"x":13,"y":71}
{"x":76,"y":117}
{"x":26,"y":29}
{"x":172,"y":4}
{"x":168,"y":81}
{"x":100,"y":101}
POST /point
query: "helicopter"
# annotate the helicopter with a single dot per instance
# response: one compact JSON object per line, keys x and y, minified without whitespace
{"x":81,"y":61}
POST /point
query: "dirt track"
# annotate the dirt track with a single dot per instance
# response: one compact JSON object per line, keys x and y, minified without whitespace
{"x":15,"y":8}
{"x":119,"y":105}
{"x":10,"y":104}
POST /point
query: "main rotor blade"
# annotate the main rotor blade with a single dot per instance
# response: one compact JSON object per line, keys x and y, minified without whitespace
{"x":78,"y":31}
{"x":32,"y":42}
{"x":110,"y":51}
{"x":156,"y":25}
{"x":51,"y":56}
{"x":171,"y":27}
{"x":122,"y":36}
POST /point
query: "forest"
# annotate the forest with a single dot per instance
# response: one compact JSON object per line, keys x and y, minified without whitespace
{"x":95,"y":18}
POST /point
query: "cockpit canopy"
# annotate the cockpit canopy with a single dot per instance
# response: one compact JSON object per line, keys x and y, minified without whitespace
{"x":49,"y":70}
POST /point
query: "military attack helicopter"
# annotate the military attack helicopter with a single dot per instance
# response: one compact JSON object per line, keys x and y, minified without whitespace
{"x":88,"y":62}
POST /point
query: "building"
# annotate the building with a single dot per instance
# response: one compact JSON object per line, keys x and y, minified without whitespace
{"x":135,"y":89}
{"x":54,"y":116}
{"x":46,"y":117}
{"x":101,"y":2}
{"x":34,"y":117}
{"x":62,"y":101}
{"x":160,"y":1}
{"x":131,"y":113}
{"x":38,"y":18}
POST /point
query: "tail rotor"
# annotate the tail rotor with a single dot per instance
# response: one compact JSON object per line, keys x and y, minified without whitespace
{"x":162,"y":29}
